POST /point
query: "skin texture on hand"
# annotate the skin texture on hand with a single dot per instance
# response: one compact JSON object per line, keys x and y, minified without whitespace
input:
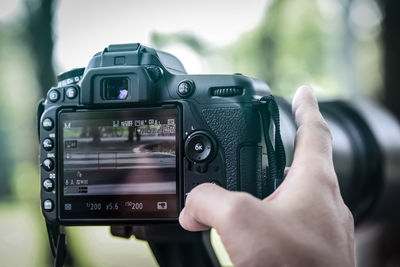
{"x":303,"y":223}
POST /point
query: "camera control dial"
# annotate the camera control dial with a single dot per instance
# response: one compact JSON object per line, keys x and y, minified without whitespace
{"x":200,"y":147}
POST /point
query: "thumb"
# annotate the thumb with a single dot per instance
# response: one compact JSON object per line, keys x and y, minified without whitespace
{"x":209,"y":205}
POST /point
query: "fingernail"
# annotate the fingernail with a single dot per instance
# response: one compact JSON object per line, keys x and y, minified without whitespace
{"x":308,"y":88}
{"x":302,"y":93}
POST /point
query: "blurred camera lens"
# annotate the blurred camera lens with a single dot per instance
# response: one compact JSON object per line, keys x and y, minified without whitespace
{"x":115,"y":88}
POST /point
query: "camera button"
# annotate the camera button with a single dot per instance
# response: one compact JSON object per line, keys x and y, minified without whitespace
{"x":47,"y":124}
{"x":53,"y":95}
{"x":185,"y":88}
{"x":48,"y":165}
{"x":199,"y":147}
{"x":48,"y":205}
{"x":201,"y":168}
{"x":71,"y":92}
{"x":48,"y":144}
{"x":48,"y":185}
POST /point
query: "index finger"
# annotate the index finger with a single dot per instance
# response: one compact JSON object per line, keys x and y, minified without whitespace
{"x":313,"y":144}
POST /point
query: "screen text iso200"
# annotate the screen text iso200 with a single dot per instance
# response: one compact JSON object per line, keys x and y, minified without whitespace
{"x":134,"y":205}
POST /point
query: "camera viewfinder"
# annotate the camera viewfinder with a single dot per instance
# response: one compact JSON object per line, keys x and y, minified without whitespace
{"x":115,"y":89}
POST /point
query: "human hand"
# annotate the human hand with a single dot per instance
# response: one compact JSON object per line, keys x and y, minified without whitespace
{"x":303,"y":223}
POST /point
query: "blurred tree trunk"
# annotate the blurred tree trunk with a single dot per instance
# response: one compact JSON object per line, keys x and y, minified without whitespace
{"x":391,"y":48}
{"x":39,"y":36}
{"x":5,"y":163}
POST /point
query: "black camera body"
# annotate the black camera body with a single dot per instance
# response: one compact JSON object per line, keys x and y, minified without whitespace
{"x":125,"y":141}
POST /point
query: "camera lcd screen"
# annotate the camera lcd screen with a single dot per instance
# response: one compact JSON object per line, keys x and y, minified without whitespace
{"x":119,"y":164}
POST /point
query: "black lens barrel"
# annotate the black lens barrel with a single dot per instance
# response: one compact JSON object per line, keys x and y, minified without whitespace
{"x":362,"y":157}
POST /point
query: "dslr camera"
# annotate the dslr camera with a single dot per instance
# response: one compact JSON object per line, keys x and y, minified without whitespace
{"x":124,"y":140}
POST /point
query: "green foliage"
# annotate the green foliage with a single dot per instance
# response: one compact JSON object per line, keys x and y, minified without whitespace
{"x":25,"y":181}
{"x":23,"y":235}
{"x":22,"y":229}
{"x":288,"y":48}
{"x":95,"y":246}
{"x":296,"y":42}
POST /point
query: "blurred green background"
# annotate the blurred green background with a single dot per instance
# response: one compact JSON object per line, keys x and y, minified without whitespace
{"x":338,"y":46}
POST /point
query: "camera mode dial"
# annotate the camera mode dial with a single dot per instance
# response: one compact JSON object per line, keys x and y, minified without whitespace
{"x":70,"y":77}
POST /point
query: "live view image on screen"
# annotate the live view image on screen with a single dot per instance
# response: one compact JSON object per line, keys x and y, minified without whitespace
{"x":120,"y":163}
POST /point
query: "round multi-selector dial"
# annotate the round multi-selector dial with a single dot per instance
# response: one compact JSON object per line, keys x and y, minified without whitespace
{"x":200,"y":147}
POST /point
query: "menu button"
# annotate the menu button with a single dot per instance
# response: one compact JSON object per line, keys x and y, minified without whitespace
{"x":47,"y":124}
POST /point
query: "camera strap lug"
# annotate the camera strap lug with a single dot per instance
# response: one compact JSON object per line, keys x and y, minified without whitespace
{"x":39,"y":112}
